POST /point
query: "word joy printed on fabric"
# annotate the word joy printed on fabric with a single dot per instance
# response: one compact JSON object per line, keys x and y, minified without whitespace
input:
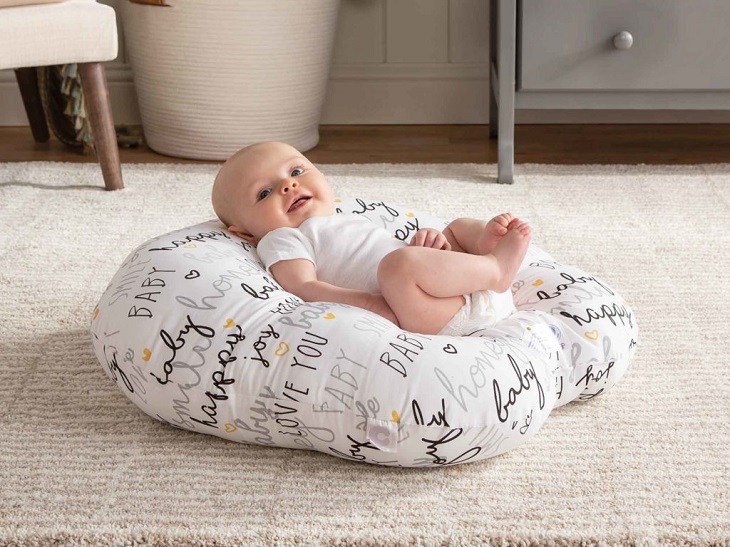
{"x":198,"y":335}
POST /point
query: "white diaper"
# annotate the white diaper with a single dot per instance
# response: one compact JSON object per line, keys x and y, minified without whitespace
{"x":482,"y":309}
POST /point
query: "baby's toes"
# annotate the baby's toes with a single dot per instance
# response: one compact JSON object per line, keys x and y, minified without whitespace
{"x":505,"y":219}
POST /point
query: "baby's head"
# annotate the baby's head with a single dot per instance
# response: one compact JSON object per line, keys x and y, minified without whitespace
{"x":266,"y":186}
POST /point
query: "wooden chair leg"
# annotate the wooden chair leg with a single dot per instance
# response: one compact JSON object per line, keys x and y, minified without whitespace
{"x":28,"y":84}
{"x":99,"y":110}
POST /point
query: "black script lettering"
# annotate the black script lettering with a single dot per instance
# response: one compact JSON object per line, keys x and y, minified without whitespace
{"x":605,"y":311}
{"x":264,"y":293}
{"x":410,"y":228}
{"x":178,"y":343}
{"x":211,"y":410}
{"x":114,"y":368}
{"x":590,"y":377}
{"x":528,"y":422}
{"x":542,"y":295}
{"x":226,"y":356}
{"x":201,"y":236}
{"x":355,"y":449}
{"x":434,"y":444}
{"x":260,"y":345}
{"x":436,"y":419}
{"x":525,"y":380}
{"x":543,"y":264}
{"x":364,"y":207}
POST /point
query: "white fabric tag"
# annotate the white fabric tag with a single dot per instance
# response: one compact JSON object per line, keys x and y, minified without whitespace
{"x":382,"y":434}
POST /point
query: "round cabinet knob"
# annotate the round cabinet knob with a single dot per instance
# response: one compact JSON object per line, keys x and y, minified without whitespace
{"x":623,"y":40}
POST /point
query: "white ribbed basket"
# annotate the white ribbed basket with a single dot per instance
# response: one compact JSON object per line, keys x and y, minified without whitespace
{"x":215,"y":75}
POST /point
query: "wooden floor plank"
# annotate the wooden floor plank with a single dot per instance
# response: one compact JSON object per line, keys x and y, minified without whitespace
{"x":552,"y":144}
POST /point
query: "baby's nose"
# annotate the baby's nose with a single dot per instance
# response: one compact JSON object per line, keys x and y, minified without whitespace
{"x":289,"y":184}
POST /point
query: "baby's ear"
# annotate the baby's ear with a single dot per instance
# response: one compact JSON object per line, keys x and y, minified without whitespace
{"x":236,"y":231}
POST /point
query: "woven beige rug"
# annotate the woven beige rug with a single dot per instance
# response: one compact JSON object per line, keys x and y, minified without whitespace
{"x":647,"y":463}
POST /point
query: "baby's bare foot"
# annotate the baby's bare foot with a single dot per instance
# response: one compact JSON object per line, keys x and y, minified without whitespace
{"x":495,"y":230}
{"x":510,"y":251}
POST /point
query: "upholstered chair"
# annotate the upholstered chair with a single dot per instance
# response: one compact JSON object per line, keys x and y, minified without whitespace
{"x":37,"y":33}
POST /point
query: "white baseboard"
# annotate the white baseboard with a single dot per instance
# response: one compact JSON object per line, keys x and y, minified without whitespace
{"x":121,"y":92}
{"x":387,"y":94}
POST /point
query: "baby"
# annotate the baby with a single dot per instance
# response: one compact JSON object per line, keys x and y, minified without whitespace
{"x":450,"y":283}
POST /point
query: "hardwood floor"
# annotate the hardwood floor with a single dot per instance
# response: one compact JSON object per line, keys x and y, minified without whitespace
{"x":553,"y":144}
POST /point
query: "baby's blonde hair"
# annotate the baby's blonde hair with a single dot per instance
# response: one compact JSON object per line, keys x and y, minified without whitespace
{"x":220,"y":196}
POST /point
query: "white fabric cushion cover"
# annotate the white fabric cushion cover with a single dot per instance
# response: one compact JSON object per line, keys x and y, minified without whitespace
{"x":197,"y":334}
{"x":73,"y":31}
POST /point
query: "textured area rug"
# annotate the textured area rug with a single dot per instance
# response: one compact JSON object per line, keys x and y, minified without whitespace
{"x":646,"y":463}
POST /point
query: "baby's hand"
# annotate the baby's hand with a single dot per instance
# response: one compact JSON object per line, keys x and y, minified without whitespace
{"x":430,"y":237}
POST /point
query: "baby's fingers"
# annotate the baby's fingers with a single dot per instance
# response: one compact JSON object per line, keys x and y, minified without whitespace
{"x":442,"y":243}
{"x":430,"y":238}
{"x":419,"y":239}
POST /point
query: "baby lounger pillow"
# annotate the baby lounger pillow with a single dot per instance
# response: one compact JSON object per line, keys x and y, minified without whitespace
{"x":197,"y":334}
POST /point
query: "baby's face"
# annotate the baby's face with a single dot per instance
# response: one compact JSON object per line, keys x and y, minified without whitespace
{"x":268,"y":186}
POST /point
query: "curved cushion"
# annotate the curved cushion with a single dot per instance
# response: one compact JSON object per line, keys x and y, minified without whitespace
{"x":73,"y":31}
{"x":194,"y":331}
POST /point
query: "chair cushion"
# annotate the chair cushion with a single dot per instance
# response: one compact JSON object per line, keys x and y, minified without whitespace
{"x":74,"y":31}
{"x":8,"y":3}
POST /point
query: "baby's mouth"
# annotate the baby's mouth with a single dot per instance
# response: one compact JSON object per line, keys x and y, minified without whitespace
{"x":299,"y":202}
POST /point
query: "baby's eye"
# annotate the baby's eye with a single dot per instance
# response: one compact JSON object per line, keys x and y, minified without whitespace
{"x":296,"y":172}
{"x":263,"y":194}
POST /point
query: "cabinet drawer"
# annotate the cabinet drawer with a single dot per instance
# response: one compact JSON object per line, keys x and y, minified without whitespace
{"x":677,"y":45}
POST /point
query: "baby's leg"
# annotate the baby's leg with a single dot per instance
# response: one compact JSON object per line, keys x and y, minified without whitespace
{"x":510,"y":250}
{"x":477,"y":237}
{"x":424,"y":286}
{"x":416,"y":309}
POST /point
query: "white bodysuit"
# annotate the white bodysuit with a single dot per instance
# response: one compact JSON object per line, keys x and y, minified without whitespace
{"x":346,"y":250}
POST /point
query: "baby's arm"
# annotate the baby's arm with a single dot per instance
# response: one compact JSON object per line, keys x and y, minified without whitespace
{"x":299,"y":277}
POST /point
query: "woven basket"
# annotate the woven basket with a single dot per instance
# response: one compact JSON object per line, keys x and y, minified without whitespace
{"x":214,"y":75}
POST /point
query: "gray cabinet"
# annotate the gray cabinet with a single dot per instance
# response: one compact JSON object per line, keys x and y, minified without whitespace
{"x":606,"y":54}
{"x":623,"y":45}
